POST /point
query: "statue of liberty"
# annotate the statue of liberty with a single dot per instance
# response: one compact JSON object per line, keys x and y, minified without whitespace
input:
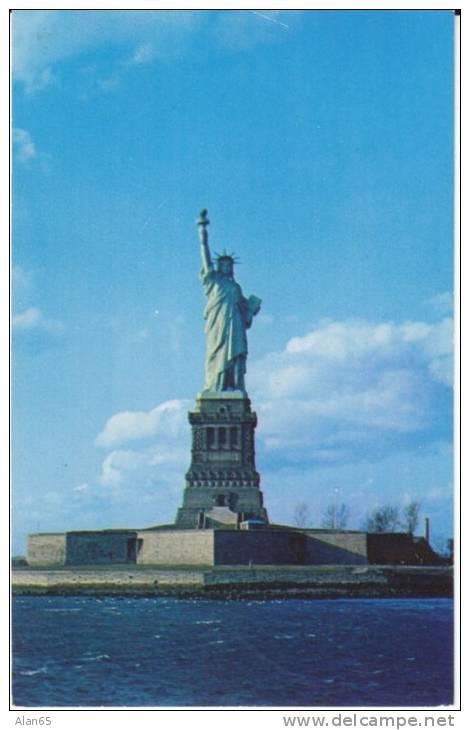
{"x":228,"y":315}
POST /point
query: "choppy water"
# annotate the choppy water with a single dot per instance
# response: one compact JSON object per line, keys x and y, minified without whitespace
{"x":136,"y":652}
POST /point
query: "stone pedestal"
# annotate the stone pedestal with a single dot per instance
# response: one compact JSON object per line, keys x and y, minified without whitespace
{"x":222,"y":484}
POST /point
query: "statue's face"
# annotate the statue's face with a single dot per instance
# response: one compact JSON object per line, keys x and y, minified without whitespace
{"x":226,"y":267}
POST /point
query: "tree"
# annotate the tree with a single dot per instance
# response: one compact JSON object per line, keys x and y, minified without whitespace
{"x":335,"y":517}
{"x":410,"y":517}
{"x":301,"y":514}
{"x":383,"y":519}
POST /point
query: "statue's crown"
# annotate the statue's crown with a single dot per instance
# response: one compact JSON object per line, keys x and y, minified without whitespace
{"x":224,"y":256}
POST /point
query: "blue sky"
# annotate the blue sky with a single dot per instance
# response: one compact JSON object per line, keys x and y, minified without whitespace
{"x":321,"y":143}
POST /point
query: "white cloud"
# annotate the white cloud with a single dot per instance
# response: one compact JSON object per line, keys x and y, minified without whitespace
{"x":348,"y":387}
{"x":118,"y":464}
{"x":33,"y":319}
{"x":82,"y":488}
{"x":154,"y":469}
{"x":442,"y":369}
{"x":29,"y":318}
{"x":144,"y":467}
{"x":33,"y":333}
{"x":345,"y":395}
{"x":442,"y":303}
{"x":43,"y":39}
{"x":167,"y":419}
{"x":20,"y":278}
{"x":23,"y":146}
{"x":145,"y":53}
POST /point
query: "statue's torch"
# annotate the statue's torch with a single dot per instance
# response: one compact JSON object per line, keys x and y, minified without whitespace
{"x":203,"y":222}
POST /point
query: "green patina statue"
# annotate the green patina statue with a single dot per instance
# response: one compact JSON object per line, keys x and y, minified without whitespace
{"x":228,"y":315}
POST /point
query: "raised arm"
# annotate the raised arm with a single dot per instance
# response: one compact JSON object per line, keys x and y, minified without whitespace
{"x":202,"y":223}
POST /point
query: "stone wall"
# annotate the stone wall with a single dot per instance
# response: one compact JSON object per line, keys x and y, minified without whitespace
{"x":101,"y":547}
{"x":290,"y":547}
{"x":181,"y":547}
{"x":260,"y":547}
{"x":176,"y":547}
{"x":112,"y":578}
{"x":336,"y":548}
{"x":46,"y":548}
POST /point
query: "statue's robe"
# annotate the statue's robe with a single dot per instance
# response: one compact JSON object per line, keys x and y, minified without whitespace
{"x":227,"y":316}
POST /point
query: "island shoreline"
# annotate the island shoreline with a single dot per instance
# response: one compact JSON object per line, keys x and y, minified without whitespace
{"x":242,"y":583}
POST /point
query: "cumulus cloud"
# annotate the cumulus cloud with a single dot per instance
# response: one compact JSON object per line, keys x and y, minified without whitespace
{"x":143,"y":467}
{"x":167,"y":419}
{"x":23,"y":146}
{"x":155,"y":468}
{"x":348,"y":387}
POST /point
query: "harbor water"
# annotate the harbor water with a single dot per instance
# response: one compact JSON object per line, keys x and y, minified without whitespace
{"x":174,"y":652}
